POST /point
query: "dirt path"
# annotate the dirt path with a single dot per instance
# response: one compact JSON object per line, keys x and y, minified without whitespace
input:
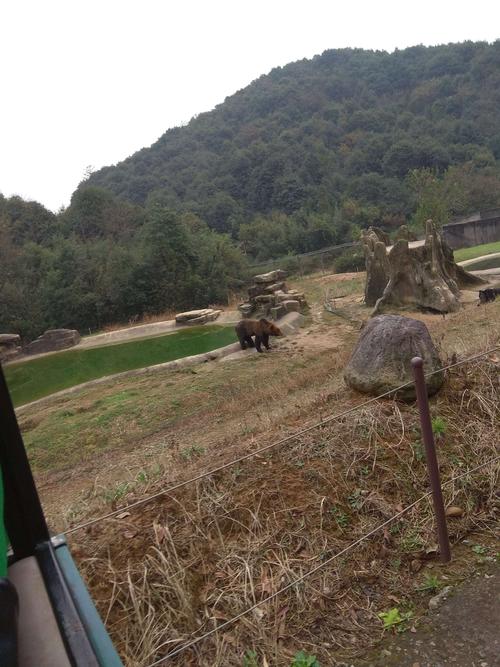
{"x":463,"y":632}
{"x":468,"y":262}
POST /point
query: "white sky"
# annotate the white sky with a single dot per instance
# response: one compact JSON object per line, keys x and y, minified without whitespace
{"x":89,"y":82}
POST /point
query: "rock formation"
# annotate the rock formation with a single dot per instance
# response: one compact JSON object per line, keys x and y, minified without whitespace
{"x":270,"y":297}
{"x":197,"y":316}
{"x":10,"y":346}
{"x":404,"y":233}
{"x":381,"y":360}
{"x":419,"y":275}
{"x":53,"y":340}
{"x":463,"y":278}
{"x":377,"y":265}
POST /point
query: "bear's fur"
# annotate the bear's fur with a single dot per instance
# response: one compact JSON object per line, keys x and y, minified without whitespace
{"x":486,"y":295}
{"x":261,"y":329}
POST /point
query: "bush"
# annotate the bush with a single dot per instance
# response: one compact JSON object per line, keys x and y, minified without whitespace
{"x":350,"y":262}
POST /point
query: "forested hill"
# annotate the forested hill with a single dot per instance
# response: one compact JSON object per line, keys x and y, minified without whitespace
{"x":302,"y":158}
{"x":334,"y":135}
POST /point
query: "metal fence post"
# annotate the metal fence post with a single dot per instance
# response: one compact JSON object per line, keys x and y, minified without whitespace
{"x":431,"y":458}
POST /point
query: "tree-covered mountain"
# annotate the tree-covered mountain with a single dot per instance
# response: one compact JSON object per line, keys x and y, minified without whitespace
{"x":300,"y":159}
{"x":296,"y":158}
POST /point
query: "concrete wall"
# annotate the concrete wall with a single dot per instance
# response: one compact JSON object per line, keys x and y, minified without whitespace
{"x":475,"y":229}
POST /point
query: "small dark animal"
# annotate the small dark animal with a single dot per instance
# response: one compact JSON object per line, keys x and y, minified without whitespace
{"x":486,"y":295}
{"x":261,"y":329}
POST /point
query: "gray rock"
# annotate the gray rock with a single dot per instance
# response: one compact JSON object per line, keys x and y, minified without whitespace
{"x":463,"y":278}
{"x":380,"y":235}
{"x":53,"y":340}
{"x":201,"y":319}
{"x":419,"y":276}
{"x":275,"y":287}
{"x":246,"y":309}
{"x":277,"y":311}
{"x":10,"y":339}
{"x":438,"y":599}
{"x":265,"y":298}
{"x":189,"y":315}
{"x":10,"y":346}
{"x":269,"y":293}
{"x":381,"y":360}
{"x":291,"y":306}
{"x":255,"y":290}
{"x":271,"y":277}
{"x":295,"y":294}
{"x":377,"y":267}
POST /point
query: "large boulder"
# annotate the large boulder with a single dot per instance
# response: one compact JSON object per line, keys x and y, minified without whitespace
{"x":291,"y":306}
{"x":377,"y":266}
{"x":420,"y":277}
{"x":277,"y":311}
{"x":265,"y":298}
{"x":256,"y":290}
{"x":53,"y":340}
{"x":463,"y":278}
{"x":10,"y":346}
{"x":275,"y":287}
{"x":380,"y":235}
{"x":268,"y":296}
{"x":272,"y":277}
{"x":197,"y":316}
{"x":246,"y":309}
{"x":381,"y":360}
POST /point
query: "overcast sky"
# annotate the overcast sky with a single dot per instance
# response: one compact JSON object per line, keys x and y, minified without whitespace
{"x":89,"y":82}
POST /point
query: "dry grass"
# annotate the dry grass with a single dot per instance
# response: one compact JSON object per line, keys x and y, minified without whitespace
{"x":166,"y":315}
{"x":187,"y":562}
{"x":202,"y":555}
{"x":106,"y":438}
{"x":147,"y":318}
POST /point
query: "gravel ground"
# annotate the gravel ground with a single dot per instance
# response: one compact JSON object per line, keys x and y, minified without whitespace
{"x":463,"y":632}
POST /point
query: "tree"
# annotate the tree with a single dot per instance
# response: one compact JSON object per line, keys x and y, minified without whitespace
{"x":164,"y":274}
{"x":429,"y":193}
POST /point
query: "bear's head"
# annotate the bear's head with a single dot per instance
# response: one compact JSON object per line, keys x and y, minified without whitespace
{"x":486,"y":295}
{"x":270,"y":328}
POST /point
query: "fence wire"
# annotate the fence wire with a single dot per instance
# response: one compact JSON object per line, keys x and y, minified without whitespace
{"x":312,"y":571}
{"x":272,"y":445}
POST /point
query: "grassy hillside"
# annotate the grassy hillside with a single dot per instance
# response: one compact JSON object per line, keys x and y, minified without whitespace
{"x":477,"y":251}
{"x":205,"y":552}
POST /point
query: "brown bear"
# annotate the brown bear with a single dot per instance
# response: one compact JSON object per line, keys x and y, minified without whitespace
{"x":486,"y":295}
{"x":261,"y":329}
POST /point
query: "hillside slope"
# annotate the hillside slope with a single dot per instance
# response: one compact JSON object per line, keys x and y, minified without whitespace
{"x":346,"y":126}
{"x":165,"y":572}
{"x":301,"y":159}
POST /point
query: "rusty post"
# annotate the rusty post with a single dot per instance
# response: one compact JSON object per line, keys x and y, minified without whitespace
{"x":431,"y":458}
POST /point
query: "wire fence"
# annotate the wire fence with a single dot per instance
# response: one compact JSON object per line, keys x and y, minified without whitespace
{"x":312,"y":571}
{"x":325,"y":563}
{"x":307,"y":262}
{"x":270,"y":446}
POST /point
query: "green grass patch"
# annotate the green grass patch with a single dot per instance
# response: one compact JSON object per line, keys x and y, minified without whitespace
{"x":490,"y":262}
{"x":40,"y":377}
{"x":167,"y":409}
{"x":477,"y":251}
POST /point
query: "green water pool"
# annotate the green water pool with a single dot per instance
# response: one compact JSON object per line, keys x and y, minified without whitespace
{"x":30,"y":380}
